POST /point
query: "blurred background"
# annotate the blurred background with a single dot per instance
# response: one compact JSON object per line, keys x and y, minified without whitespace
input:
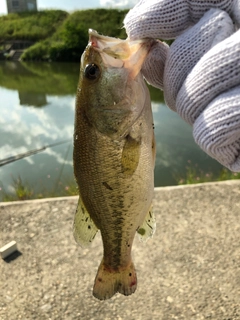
{"x":40,"y":51}
{"x":37,"y":109}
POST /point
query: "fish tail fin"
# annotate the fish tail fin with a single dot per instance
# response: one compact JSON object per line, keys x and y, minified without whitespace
{"x":108,"y":282}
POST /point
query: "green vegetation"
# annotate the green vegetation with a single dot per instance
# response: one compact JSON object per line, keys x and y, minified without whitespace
{"x":195,"y":175}
{"x":21,"y":190}
{"x":60,"y":36}
{"x":32,"y":26}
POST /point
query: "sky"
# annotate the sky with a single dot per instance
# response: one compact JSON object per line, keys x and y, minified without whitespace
{"x":71,"y":5}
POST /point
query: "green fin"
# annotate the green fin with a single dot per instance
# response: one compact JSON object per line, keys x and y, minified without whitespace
{"x":84,"y":229}
{"x":130,"y":155}
{"x":147,"y":229}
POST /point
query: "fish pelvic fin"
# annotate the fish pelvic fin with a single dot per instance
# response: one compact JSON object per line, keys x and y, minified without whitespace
{"x":108,"y":282}
{"x":84,"y":229}
{"x":147,"y":229}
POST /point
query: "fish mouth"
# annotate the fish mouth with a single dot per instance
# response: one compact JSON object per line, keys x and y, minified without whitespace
{"x":118,"y":53}
{"x":113,"y":46}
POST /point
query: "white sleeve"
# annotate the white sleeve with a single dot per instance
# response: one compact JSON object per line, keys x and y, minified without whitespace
{"x":216,"y":72}
{"x":217,"y":129}
{"x":200,"y":72}
{"x":214,"y":27}
{"x":209,"y":99}
{"x":166,"y":19}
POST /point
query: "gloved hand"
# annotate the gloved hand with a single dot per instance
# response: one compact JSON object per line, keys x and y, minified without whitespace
{"x":200,"y":72}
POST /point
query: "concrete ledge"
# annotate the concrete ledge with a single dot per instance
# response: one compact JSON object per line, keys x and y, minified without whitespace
{"x":157,"y":189}
{"x":37,"y":201}
{"x":189,"y":270}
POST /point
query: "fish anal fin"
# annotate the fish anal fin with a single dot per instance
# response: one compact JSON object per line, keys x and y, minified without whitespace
{"x":84,"y":229}
{"x":130,"y":155}
{"x":108,"y":282}
{"x":147,"y":229}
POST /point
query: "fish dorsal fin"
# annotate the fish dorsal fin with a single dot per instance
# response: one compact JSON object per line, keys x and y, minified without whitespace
{"x":84,"y":229}
{"x":147,"y":229}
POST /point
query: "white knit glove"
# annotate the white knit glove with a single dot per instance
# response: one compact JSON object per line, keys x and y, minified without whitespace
{"x":200,"y":72}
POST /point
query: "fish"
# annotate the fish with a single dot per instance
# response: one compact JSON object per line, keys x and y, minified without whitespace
{"x":114,"y":157}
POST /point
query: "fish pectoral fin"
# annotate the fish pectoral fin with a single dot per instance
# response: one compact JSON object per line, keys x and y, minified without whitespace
{"x":147,"y":229}
{"x":84,"y":229}
{"x":130,"y":155}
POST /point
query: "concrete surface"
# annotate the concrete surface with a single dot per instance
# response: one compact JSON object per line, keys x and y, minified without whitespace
{"x":189,"y":270}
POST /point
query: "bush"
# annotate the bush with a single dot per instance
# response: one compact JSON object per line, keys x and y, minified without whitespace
{"x":33,"y":26}
{"x":61,"y":37}
{"x":61,"y":52}
{"x":74,"y":31}
{"x":39,"y":51}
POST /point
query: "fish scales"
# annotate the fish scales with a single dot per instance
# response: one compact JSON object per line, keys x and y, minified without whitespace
{"x":114,"y":155}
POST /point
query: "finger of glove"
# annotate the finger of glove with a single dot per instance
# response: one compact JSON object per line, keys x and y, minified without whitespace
{"x":153,"y":66}
{"x":216,"y":72}
{"x":166,"y":19}
{"x":189,"y":47}
{"x":217,"y":129}
{"x":236,"y":12}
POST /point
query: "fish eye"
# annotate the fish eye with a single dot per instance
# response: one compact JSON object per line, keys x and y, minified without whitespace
{"x":92,"y":71}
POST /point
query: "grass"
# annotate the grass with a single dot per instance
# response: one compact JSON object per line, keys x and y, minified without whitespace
{"x":21,"y":190}
{"x":195,"y":175}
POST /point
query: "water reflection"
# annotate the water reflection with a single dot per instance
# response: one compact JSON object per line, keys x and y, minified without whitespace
{"x":32,"y":99}
{"x":39,"y":78}
{"x":37,"y":108}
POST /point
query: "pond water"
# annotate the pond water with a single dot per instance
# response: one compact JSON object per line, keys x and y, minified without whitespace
{"x":37,"y":109}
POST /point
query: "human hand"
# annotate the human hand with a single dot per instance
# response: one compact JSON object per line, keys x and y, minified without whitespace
{"x":200,"y":72}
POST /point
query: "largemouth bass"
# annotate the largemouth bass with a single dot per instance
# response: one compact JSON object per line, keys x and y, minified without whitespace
{"x":114,"y":156}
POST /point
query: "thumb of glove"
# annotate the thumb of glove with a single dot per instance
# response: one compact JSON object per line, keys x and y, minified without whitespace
{"x":153,"y":66}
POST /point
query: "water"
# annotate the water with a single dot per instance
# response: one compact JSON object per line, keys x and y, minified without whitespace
{"x":37,"y":109}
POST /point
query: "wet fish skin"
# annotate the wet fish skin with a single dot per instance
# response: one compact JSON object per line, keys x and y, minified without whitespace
{"x":114,"y":156}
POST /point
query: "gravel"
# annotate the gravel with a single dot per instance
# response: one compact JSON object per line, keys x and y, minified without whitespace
{"x":189,"y":270}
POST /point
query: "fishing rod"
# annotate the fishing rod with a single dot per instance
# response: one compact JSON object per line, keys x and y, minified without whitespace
{"x":20,"y":156}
